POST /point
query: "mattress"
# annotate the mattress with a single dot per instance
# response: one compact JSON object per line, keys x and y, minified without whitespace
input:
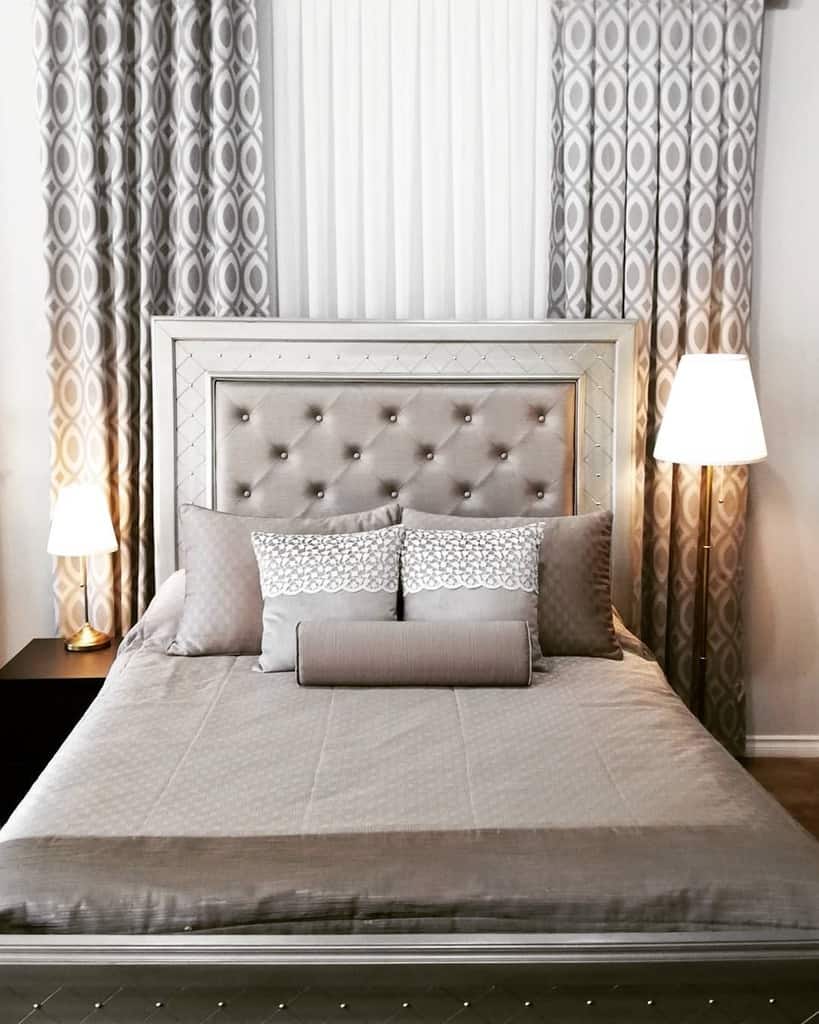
{"x":199,"y":795}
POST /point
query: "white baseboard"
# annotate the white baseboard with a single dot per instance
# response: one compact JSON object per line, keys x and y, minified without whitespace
{"x":782,"y":746}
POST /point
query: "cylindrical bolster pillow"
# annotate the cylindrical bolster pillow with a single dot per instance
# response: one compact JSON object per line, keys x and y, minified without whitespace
{"x":335,"y":653}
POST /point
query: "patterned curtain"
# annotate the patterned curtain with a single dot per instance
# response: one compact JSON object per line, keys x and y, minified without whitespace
{"x":152,"y":157}
{"x":654,"y":129}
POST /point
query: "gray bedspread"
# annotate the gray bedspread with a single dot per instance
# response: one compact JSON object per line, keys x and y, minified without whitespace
{"x":198,"y":794}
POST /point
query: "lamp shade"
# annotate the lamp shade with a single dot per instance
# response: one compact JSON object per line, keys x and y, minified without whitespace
{"x":81,"y":524}
{"x":712,"y":417}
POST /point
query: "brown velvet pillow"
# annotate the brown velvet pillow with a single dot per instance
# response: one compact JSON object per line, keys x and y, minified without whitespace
{"x":574,"y":599}
{"x":222,"y":613}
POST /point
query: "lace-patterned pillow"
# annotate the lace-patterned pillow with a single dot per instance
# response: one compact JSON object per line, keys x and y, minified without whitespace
{"x":574,"y":602}
{"x":311,"y":576}
{"x":222,"y":611}
{"x":480,"y":575}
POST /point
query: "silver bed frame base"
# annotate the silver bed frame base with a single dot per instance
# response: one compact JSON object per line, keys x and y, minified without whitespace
{"x":725,"y":977}
{"x":673,"y":978}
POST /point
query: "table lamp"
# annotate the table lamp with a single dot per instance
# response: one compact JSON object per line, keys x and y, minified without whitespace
{"x":81,"y":526}
{"x":711,"y":419}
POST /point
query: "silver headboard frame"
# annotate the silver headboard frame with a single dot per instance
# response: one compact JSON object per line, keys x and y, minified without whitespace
{"x":194,"y":357}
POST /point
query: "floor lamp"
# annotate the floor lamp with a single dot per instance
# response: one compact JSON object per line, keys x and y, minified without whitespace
{"x":711,"y":419}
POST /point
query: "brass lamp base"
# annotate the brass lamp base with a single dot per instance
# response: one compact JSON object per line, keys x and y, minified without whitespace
{"x":87,"y":639}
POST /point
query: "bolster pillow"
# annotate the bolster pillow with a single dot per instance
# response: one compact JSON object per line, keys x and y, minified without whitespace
{"x":336,"y":653}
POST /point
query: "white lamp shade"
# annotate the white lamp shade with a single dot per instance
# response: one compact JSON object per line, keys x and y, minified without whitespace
{"x":81,"y":524}
{"x":712,"y":417}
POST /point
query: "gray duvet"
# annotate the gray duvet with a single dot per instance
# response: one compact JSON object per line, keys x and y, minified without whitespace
{"x":198,"y":794}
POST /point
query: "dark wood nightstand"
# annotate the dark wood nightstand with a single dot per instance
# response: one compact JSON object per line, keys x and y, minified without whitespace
{"x":44,"y":692}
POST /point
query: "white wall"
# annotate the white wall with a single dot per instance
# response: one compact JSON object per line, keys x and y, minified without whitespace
{"x":782,"y":554}
{"x":25,"y":594}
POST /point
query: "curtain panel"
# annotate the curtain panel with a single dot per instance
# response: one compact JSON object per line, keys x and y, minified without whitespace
{"x":654,"y":126}
{"x":154,"y":187}
{"x":411,"y":158}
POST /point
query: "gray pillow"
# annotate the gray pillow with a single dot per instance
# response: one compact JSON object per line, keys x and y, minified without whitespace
{"x":308,"y":577}
{"x":222,"y":613}
{"x":413,"y":654}
{"x":574,"y":597}
{"x":472,"y":576}
{"x":160,"y":620}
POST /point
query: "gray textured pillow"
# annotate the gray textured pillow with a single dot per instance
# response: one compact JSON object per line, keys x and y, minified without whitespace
{"x":305,"y":577}
{"x":574,"y":600}
{"x":223,"y":603}
{"x":473,"y":576}
{"x":413,"y":654}
{"x":160,"y":620}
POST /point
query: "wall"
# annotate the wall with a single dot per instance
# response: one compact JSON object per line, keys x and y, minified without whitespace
{"x":782,"y":589}
{"x":25,"y":596}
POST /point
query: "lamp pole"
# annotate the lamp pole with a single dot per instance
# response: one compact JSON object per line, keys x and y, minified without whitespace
{"x":700,"y":646}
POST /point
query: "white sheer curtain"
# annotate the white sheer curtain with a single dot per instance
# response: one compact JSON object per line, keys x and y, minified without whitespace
{"x":411,"y":149}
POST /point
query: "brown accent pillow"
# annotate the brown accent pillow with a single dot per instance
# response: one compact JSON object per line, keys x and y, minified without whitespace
{"x":413,"y":654}
{"x":222,"y":613}
{"x":574,"y":600}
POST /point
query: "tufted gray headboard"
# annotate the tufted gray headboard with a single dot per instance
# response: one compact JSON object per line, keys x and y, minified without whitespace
{"x":309,"y":446}
{"x":307,"y":417}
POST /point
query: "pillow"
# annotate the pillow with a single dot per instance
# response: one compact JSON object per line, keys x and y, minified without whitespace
{"x":223,"y":603}
{"x":478,"y":576}
{"x":574,"y":596}
{"x":413,"y":654}
{"x":158,"y":624}
{"x":314,"y":576}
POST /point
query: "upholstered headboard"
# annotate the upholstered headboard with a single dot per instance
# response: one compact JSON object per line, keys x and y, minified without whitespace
{"x":307,"y":417}
{"x":307,"y":446}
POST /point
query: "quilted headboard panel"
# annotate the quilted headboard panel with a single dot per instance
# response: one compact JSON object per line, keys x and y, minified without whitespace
{"x":292,"y":447}
{"x":294,"y":417}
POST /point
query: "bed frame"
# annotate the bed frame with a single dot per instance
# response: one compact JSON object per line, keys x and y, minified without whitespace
{"x":205,"y":372}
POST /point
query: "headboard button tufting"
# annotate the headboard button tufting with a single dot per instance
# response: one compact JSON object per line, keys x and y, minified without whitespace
{"x":541,"y":418}
{"x":477,"y":439}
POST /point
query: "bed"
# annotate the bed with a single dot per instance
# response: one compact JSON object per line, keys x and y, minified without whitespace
{"x":212,"y":843}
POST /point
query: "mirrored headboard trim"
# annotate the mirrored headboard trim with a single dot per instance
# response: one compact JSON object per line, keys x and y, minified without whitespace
{"x":191,"y":354}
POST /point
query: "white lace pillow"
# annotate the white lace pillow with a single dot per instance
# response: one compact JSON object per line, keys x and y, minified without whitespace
{"x":479,"y":575}
{"x":312,"y":576}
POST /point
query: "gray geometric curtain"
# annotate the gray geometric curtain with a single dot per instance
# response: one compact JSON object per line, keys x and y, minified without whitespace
{"x":654,"y":133}
{"x":152,"y":162}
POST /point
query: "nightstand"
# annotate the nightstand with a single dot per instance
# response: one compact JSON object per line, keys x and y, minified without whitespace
{"x":44,"y":692}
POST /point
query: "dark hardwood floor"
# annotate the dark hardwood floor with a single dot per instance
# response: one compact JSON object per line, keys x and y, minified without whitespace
{"x":795,"y":784}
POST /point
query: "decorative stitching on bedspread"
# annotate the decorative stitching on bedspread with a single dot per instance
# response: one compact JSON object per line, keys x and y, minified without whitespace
{"x":309,"y":805}
{"x":467,"y":770}
{"x":590,"y":733}
{"x":208,"y":711}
